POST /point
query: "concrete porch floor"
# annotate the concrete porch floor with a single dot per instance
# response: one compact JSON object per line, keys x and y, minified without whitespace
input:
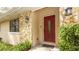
{"x":41,"y":48}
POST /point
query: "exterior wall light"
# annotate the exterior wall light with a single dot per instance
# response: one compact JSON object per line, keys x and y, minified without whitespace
{"x":27,"y":19}
{"x":68,"y":11}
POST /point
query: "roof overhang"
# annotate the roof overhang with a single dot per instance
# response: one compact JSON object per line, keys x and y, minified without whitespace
{"x":16,"y":11}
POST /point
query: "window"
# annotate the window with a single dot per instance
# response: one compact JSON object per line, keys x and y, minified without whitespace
{"x":14,"y":25}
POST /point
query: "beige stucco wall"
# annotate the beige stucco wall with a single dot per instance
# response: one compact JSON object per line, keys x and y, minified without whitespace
{"x":39,"y":23}
{"x":35,"y":28}
{"x":6,"y":35}
{"x":5,"y":26}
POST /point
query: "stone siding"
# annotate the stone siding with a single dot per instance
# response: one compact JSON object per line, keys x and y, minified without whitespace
{"x":71,"y":18}
{"x":25,"y":28}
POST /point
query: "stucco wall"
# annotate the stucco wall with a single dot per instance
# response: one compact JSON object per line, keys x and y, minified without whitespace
{"x":6,"y":35}
{"x":5,"y":26}
{"x":39,"y":23}
{"x":35,"y":28}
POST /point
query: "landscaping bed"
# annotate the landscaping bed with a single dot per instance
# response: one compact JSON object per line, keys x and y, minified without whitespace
{"x":69,"y":37}
{"x":19,"y":47}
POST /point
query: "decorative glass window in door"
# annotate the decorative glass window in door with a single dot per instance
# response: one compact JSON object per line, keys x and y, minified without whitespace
{"x":49,"y":26}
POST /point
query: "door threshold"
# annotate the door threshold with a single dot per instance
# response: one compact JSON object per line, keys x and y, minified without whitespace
{"x":49,"y":46}
{"x":49,"y":43}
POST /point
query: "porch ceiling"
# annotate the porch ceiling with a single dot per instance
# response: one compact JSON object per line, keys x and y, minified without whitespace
{"x":7,"y":13}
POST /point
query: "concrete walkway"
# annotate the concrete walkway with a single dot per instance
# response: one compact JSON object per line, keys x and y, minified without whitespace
{"x":41,"y":48}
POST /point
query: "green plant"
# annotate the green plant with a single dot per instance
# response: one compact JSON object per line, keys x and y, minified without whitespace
{"x":4,"y":46}
{"x":23,"y":46}
{"x":20,"y":47}
{"x":69,"y":37}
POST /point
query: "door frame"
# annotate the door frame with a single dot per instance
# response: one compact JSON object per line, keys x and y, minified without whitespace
{"x":49,"y":43}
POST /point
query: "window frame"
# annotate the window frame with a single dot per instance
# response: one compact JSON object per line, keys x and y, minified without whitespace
{"x":14,"y":25}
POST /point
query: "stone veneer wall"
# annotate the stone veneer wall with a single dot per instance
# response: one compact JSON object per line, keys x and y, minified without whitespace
{"x":25,"y":28}
{"x":71,"y":18}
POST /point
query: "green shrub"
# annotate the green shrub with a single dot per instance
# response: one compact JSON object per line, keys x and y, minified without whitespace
{"x":20,"y":47}
{"x":69,"y":37}
{"x":23,"y":46}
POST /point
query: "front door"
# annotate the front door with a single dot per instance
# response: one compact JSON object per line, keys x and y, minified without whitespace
{"x":49,"y":28}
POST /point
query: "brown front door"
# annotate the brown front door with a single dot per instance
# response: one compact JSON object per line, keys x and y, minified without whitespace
{"x":49,"y":28}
